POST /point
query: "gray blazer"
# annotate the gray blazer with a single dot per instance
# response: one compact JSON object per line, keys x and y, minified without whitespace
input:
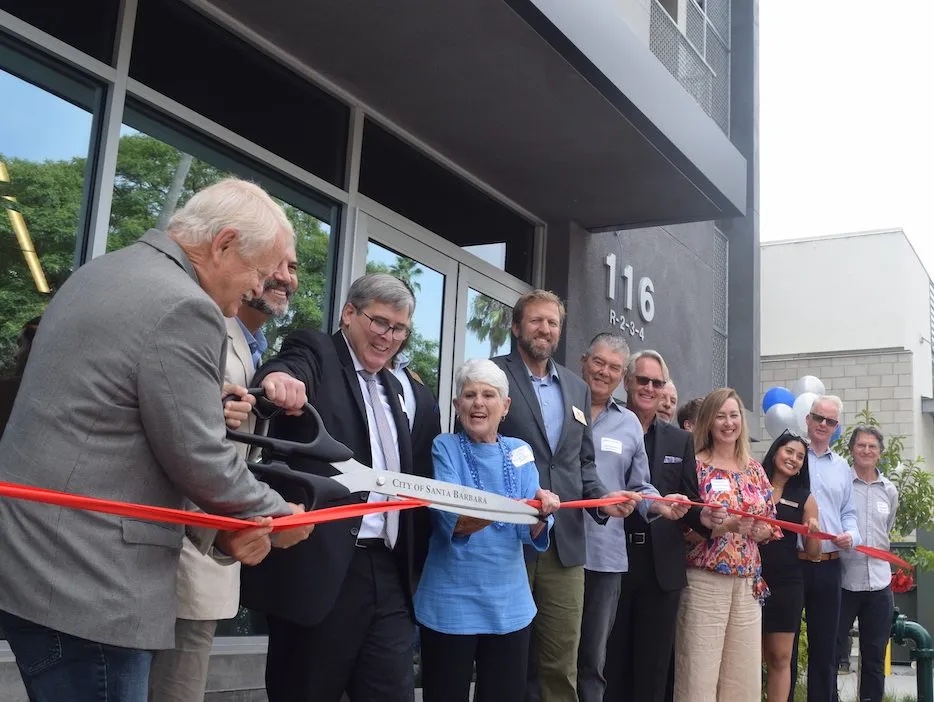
{"x":120,"y":400}
{"x":569,"y":472}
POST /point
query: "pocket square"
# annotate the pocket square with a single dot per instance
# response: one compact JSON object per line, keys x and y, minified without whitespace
{"x":674,"y":459}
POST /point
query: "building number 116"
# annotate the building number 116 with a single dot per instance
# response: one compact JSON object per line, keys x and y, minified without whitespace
{"x":646,"y":296}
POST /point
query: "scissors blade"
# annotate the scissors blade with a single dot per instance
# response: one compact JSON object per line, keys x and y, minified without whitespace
{"x":490,"y":516}
{"x":450,"y":497}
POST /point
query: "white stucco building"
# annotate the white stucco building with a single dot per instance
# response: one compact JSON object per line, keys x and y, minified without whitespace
{"x":857,"y":311}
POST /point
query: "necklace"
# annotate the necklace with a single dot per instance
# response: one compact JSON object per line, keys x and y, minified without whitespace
{"x":510,"y":484}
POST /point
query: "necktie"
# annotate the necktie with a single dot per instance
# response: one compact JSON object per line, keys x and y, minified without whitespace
{"x":388,"y":448}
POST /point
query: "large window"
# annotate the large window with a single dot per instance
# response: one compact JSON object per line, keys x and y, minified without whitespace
{"x":46,"y":126}
{"x":159,"y":167}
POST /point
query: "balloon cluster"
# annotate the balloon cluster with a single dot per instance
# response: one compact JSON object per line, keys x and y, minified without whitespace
{"x":786,"y":410}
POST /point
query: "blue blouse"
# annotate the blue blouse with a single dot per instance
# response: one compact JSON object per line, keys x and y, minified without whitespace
{"x":478,"y":584}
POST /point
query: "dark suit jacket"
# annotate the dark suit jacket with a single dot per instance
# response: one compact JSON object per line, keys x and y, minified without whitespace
{"x":425,"y":427}
{"x":677,"y":474}
{"x":301,"y":584}
{"x":569,"y":472}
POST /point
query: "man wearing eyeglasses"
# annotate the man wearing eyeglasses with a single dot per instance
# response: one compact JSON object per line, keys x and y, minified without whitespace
{"x":641,"y":643}
{"x":832,"y":487}
{"x":339,"y":610}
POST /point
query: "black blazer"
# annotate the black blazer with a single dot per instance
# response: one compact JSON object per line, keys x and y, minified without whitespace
{"x":569,"y":471}
{"x":301,"y":584}
{"x":425,"y":427}
{"x":676,"y":474}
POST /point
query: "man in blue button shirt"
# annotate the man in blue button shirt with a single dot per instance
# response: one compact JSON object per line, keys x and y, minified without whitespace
{"x":622,"y":464}
{"x":832,"y":487}
{"x":550,"y":411}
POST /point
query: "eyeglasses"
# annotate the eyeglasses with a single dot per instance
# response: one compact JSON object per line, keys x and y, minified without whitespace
{"x":821,"y":419}
{"x":644,"y":380}
{"x":795,"y":435}
{"x":380,"y":326}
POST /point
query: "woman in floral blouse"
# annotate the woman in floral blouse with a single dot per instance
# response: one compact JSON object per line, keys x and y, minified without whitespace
{"x":719,"y":645}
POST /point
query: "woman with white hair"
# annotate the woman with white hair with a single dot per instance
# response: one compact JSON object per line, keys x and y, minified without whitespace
{"x":474,"y":604}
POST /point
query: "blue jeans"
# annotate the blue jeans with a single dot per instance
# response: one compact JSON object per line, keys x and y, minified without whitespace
{"x":56,"y":666}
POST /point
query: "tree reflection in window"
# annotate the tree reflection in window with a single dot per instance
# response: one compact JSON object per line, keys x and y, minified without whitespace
{"x":154,"y":178}
{"x":490,"y":320}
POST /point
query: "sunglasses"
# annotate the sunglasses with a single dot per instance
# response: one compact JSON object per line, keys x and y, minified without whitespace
{"x":821,"y":419}
{"x":645,"y":380}
{"x":795,"y":435}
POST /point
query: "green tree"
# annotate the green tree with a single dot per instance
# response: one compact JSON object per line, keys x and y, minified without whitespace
{"x":490,"y":319}
{"x":48,"y":195}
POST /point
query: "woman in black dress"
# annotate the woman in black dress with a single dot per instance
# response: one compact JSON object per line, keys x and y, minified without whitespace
{"x":786,"y":465}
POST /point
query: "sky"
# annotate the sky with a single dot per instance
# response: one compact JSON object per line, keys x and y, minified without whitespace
{"x":846,"y":129}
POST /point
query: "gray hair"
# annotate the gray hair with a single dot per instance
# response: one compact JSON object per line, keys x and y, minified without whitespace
{"x":612,"y":340}
{"x":648,"y":353}
{"x":833,"y":399}
{"x":382,"y":288}
{"x":866,"y":429}
{"x":230,"y":204}
{"x":481,"y":370}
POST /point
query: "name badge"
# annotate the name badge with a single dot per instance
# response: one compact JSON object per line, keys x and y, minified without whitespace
{"x":611,"y":445}
{"x":521,"y":455}
{"x":720,"y":485}
{"x":578,"y":415}
{"x":402,"y":405}
{"x":783,"y":501}
{"x":882,"y":507}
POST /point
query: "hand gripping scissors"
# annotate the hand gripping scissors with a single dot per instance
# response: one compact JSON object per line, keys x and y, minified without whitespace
{"x":356,"y":477}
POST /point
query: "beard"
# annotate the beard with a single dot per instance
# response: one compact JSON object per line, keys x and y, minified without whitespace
{"x":537,"y":352}
{"x":263,"y":305}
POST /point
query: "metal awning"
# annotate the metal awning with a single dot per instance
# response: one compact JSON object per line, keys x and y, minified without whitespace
{"x":557,"y":104}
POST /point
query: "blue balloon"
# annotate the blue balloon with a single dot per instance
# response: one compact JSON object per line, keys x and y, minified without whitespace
{"x":777,"y":395}
{"x":836,"y":433}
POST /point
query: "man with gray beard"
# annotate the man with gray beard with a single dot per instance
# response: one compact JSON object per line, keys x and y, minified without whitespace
{"x":209,"y":591}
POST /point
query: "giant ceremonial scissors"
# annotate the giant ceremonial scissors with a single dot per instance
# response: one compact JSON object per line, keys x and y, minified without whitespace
{"x":355,"y":477}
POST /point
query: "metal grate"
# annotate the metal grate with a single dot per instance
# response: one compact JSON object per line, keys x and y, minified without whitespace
{"x":699,"y":58}
{"x":721,"y":275}
{"x":718,"y":361}
{"x":695,"y":26}
{"x":718,"y":12}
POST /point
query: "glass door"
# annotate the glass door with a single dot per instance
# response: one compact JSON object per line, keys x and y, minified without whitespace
{"x":463,"y":305}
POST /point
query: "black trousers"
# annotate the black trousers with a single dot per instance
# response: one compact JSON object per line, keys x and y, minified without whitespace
{"x":822,"y":590}
{"x":364,"y":646}
{"x":874,"y":611}
{"x":638,"y":654}
{"x":448,"y":664}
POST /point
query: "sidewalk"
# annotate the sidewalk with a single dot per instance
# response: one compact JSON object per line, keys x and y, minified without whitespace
{"x":901,"y":684}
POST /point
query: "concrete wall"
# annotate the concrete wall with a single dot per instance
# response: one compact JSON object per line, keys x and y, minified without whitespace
{"x":880,"y":379}
{"x":679,"y":260}
{"x":636,"y":13}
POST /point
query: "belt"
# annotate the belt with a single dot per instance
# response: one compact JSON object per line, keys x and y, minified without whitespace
{"x":639,"y":538}
{"x":371,"y":543}
{"x":830,"y":556}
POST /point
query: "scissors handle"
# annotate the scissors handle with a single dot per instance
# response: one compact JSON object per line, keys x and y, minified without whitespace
{"x":323,"y":447}
{"x":318,"y":489}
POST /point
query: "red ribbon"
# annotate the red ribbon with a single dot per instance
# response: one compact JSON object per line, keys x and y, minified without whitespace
{"x":328,"y":514}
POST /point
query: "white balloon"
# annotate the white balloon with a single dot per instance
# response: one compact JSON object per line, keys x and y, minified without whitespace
{"x":779,"y":418}
{"x":802,"y":407}
{"x":808,"y":383}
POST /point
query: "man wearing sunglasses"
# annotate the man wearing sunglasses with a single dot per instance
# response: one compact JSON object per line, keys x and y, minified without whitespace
{"x":832,"y":487}
{"x":642,"y":640}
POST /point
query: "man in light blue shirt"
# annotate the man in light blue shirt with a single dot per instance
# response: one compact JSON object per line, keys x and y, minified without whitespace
{"x":832,"y":487}
{"x":622,"y":464}
{"x":866,"y":581}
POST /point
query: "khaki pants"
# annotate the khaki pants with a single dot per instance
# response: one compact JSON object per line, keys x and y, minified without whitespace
{"x":718,"y":644}
{"x":556,"y":629}
{"x":180,"y":674}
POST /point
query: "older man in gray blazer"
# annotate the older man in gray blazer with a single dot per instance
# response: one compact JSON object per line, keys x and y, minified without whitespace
{"x":551,"y":412}
{"x":121,"y":400}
